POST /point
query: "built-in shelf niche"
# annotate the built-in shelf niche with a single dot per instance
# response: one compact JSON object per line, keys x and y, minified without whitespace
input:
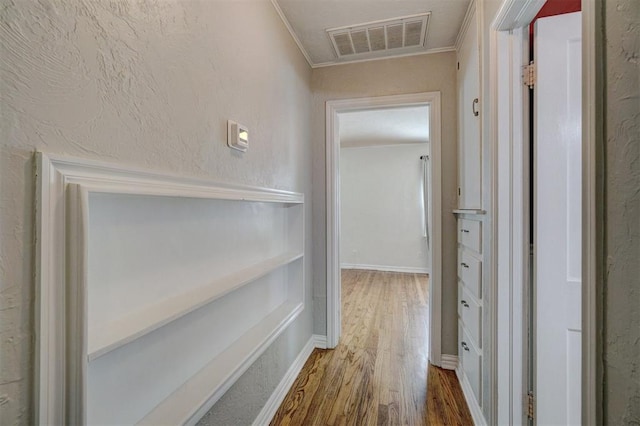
{"x":173,"y":289}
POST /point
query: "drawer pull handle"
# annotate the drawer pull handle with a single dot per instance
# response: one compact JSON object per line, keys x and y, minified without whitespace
{"x":464,"y":265}
{"x":473,"y":107}
{"x":466,"y":231}
{"x":465,"y":346}
{"x":464,"y":303}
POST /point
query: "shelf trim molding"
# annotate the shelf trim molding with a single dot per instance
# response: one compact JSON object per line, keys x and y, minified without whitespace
{"x":62,"y":187}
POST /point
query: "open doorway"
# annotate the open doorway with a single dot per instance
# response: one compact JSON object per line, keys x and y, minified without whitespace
{"x":385,"y":190}
{"x":431,"y":102}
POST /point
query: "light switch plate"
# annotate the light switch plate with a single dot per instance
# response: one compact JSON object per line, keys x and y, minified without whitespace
{"x":237,"y":136}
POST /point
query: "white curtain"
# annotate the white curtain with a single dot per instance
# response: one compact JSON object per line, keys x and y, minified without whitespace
{"x":425,"y":197}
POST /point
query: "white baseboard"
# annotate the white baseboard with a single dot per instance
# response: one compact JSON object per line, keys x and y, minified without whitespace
{"x":449,"y":362}
{"x":474,"y":407}
{"x":280,"y":392}
{"x":319,"y":341}
{"x":387,"y":268}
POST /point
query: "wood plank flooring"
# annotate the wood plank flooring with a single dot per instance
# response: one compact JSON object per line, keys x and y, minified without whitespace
{"x":377,"y":375}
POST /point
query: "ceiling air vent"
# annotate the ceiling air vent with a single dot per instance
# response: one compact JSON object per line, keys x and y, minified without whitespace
{"x":408,"y":32}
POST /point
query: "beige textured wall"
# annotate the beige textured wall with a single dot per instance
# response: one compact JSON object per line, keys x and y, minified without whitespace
{"x":621,"y":231}
{"x":425,"y":73}
{"x":148,"y":83}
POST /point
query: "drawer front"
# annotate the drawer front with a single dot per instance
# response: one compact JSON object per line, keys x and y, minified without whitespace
{"x":471,"y":315}
{"x":470,"y":234}
{"x":471,"y":363}
{"x":470,"y":272}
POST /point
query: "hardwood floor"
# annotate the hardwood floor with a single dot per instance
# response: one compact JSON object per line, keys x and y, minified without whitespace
{"x":377,"y":375}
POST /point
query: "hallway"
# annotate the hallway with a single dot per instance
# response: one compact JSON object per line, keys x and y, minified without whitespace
{"x":378,"y":372}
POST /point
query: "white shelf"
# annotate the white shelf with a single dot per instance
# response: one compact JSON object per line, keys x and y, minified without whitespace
{"x":469,"y":211}
{"x":104,"y":338}
{"x":198,"y":394}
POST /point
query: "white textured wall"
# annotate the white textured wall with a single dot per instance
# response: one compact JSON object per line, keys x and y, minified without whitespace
{"x":621,"y":226}
{"x":382,"y":219}
{"x":148,"y":83}
{"x":424,"y":73}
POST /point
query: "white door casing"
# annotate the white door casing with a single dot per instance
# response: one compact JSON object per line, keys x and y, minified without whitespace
{"x":333,"y":108}
{"x":557,"y":215}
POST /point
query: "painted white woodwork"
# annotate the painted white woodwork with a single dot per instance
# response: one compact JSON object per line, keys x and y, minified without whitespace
{"x":470,"y":234}
{"x":470,"y":271}
{"x":558,"y":213}
{"x":516,"y":14}
{"x":469,"y":139}
{"x":472,"y":403}
{"x":110,"y":334}
{"x":332,"y":145}
{"x":470,"y":311}
{"x":512,"y":53}
{"x":449,"y":362}
{"x":165,"y":289}
{"x":471,"y":362}
{"x":382,"y":213}
{"x":512,"y":171}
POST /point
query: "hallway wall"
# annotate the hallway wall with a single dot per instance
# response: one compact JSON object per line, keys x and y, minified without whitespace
{"x":620,"y":217}
{"x":150,"y":84}
{"x":424,"y":73}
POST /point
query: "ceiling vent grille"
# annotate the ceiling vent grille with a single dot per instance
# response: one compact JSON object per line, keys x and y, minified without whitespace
{"x":408,"y":32}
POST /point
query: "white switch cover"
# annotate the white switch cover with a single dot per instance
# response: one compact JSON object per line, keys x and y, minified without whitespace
{"x":237,"y":136}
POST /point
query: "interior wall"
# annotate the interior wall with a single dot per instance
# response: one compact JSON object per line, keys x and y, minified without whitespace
{"x":621,"y":222}
{"x":149,"y":84}
{"x":382,"y":212}
{"x":424,"y":73}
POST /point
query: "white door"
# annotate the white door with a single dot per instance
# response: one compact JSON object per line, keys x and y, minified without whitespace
{"x":557,"y":215}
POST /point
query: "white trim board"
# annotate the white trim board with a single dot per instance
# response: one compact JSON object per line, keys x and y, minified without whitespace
{"x":474,"y":408}
{"x":449,"y":362}
{"x":386,"y":268}
{"x":332,"y":144}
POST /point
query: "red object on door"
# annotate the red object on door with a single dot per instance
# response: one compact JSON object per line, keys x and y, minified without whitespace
{"x":552,"y":8}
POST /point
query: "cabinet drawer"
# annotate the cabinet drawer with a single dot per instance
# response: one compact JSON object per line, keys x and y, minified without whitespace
{"x":471,"y":362}
{"x":471,"y":315}
{"x":470,"y":272}
{"x":470,"y":234}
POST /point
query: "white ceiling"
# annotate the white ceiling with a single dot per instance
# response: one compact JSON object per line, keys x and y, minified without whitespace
{"x":379,"y":127}
{"x":308,"y":21}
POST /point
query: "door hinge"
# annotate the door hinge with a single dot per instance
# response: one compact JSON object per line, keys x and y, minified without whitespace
{"x":529,"y":75}
{"x":530,"y":406}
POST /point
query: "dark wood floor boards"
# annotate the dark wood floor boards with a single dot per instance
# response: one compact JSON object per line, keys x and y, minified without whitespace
{"x":378,"y":373}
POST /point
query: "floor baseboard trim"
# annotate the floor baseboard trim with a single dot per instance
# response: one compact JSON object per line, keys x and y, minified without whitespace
{"x":474,"y":408}
{"x":319,"y":341}
{"x":387,"y":268}
{"x":280,"y":392}
{"x":449,"y":362}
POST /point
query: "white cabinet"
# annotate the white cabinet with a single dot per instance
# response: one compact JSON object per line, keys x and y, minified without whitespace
{"x":469,"y":170}
{"x":470,"y":310}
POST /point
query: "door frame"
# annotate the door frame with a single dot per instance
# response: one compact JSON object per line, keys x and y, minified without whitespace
{"x":510,"y":345}
{"x":332,"y":142}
